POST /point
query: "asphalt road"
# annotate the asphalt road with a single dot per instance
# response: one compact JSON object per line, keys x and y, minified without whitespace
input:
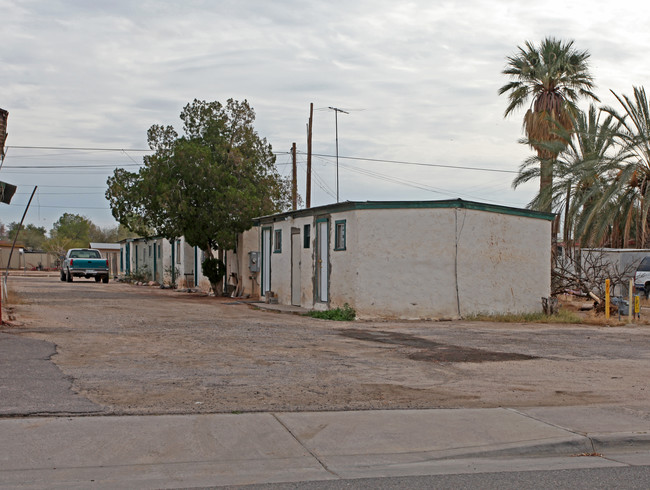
{"x":637,"y":477}
{"x":82,"y":355}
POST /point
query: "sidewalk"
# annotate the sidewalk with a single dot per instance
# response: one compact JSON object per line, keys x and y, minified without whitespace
{"x":232,"y":449}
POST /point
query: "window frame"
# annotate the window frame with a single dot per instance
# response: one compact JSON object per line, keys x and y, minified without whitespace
{"x":306,"y":239}
{"x":277,"y":241}
{"x":342,"y":224}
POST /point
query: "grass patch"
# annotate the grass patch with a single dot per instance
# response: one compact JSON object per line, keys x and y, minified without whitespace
{"x":345,"y":314}
{"x":563,"y":316}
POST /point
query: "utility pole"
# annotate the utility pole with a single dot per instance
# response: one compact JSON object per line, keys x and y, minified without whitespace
{"x":4,"y":115}
{"x":294,"y":179}
{"x":336,"y":123}
{"x":309,"y":132}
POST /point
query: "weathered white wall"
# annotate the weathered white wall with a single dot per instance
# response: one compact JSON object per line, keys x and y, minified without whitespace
{"x":397,"y":263}
{"x":421,"y":262}
{"x":237,"y":263}
{"x":504,"y":262}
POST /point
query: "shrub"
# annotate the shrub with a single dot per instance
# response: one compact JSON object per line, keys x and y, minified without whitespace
{"x":141,"y":274}
{"x":345,"y":314}
{"x":214,"y":269}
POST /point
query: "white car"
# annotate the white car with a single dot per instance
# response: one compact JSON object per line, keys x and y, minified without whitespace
{"x":642,"y":276}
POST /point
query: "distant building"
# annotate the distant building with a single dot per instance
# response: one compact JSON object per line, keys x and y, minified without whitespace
{"x":163,"y":261}
{"x":110,"y":251}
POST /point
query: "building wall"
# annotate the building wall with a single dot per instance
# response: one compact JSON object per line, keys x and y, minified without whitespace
{"x":238,"y":263}
{"x":16,"y":261}
{"x":397,"y":263}
{"x":281,"y":262}
{"x":504,"y":262}
{"x":32,"y":260}
{"x":420,"y":263}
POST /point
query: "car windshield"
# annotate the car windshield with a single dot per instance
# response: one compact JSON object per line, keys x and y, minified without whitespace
{"x":85,"y":254}
{"x":644,"y":266}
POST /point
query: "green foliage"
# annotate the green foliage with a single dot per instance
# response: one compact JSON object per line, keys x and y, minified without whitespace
{"x":141,"y":274}
{"x":550,"y":79}
{"x":601,"y":175}
{"x":58,"y":245}
{"x":73,"y":227}
{"x":31,"y":236}
{"x":206,"y":185}
{"x":345,"y":314}
{"x":214,"y":269}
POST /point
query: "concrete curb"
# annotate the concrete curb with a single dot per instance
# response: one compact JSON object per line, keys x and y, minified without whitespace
{"x":622,"y":441}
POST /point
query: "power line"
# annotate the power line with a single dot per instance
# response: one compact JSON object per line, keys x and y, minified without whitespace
{"x":24,"y":147}
{"x":89,"y":167}
{"x":81,"y":148}
{"x":456,"y":167}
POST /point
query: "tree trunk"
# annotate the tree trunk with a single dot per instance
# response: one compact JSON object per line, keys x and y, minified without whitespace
{"x":546,"y":185}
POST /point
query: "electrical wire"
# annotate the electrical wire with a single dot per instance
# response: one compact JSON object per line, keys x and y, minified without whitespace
{"x":402,"y":162}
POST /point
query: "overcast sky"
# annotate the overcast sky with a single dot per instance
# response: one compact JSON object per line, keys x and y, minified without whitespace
{"x":418,"y":78}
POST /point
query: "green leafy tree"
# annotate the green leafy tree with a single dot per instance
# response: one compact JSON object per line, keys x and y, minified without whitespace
{"x":74,"y":227}
{"x":59,"y":245}
{"x":31,"y":236}
{"x":206,"y":185}
{"x":551,"y":78}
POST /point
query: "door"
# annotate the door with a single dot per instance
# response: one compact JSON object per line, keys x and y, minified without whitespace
{"x":295,"y":267}
{"x":322,"y":260}
{"x":266,"y":260}
{"x":155,"y":263}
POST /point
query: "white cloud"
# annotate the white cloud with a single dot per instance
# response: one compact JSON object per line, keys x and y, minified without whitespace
{"x":420,"y":76}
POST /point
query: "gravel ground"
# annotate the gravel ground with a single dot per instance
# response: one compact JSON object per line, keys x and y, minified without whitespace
{"x":142,"y":350}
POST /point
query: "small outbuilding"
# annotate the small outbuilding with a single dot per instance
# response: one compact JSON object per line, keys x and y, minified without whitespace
{"x":401,"y":259}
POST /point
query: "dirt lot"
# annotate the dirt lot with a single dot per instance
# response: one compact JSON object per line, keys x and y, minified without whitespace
{"x":137,"y":350}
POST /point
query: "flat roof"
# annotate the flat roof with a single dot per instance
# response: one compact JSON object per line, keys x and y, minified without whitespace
{"x":449,"y":203}
{"x":105,"y":246}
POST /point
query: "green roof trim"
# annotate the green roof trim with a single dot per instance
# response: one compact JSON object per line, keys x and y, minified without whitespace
{"x":450,"y":203}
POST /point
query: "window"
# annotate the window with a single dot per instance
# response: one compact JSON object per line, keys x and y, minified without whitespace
{"x":306,"y":236}
{"x":277,"y":241}
{"x":178,"y":251}
{"x":159,"y":247}
{"x":149,"y":250}
{"x":339,"y":237}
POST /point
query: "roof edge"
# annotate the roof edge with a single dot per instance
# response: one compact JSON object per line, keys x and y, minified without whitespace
{"x":449,"y":203}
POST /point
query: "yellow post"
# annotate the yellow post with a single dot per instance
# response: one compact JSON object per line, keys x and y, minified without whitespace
{"x":606,"y":299}
{"x":630,"y":297}
{"x":637,"y":307}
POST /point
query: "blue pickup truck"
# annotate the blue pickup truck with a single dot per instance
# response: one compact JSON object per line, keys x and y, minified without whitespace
{"x":84,"y":262}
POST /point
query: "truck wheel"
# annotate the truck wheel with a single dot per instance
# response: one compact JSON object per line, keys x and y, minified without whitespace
{"x":68,"y":277}
{"x":97,"y":278}
{"x":62,"y":274}
{"x":105,"y":279}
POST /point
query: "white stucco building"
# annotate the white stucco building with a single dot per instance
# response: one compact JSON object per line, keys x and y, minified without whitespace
{"x":401,"y":259}
{"x":163,"y":261}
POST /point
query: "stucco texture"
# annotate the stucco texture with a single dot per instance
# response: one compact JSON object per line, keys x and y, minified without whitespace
{"x":420,"y":262}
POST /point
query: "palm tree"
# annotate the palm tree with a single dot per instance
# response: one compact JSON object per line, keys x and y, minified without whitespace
{"x":552,"y":77}
{"x":583,"y":170}
{"x":632,"y":185}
